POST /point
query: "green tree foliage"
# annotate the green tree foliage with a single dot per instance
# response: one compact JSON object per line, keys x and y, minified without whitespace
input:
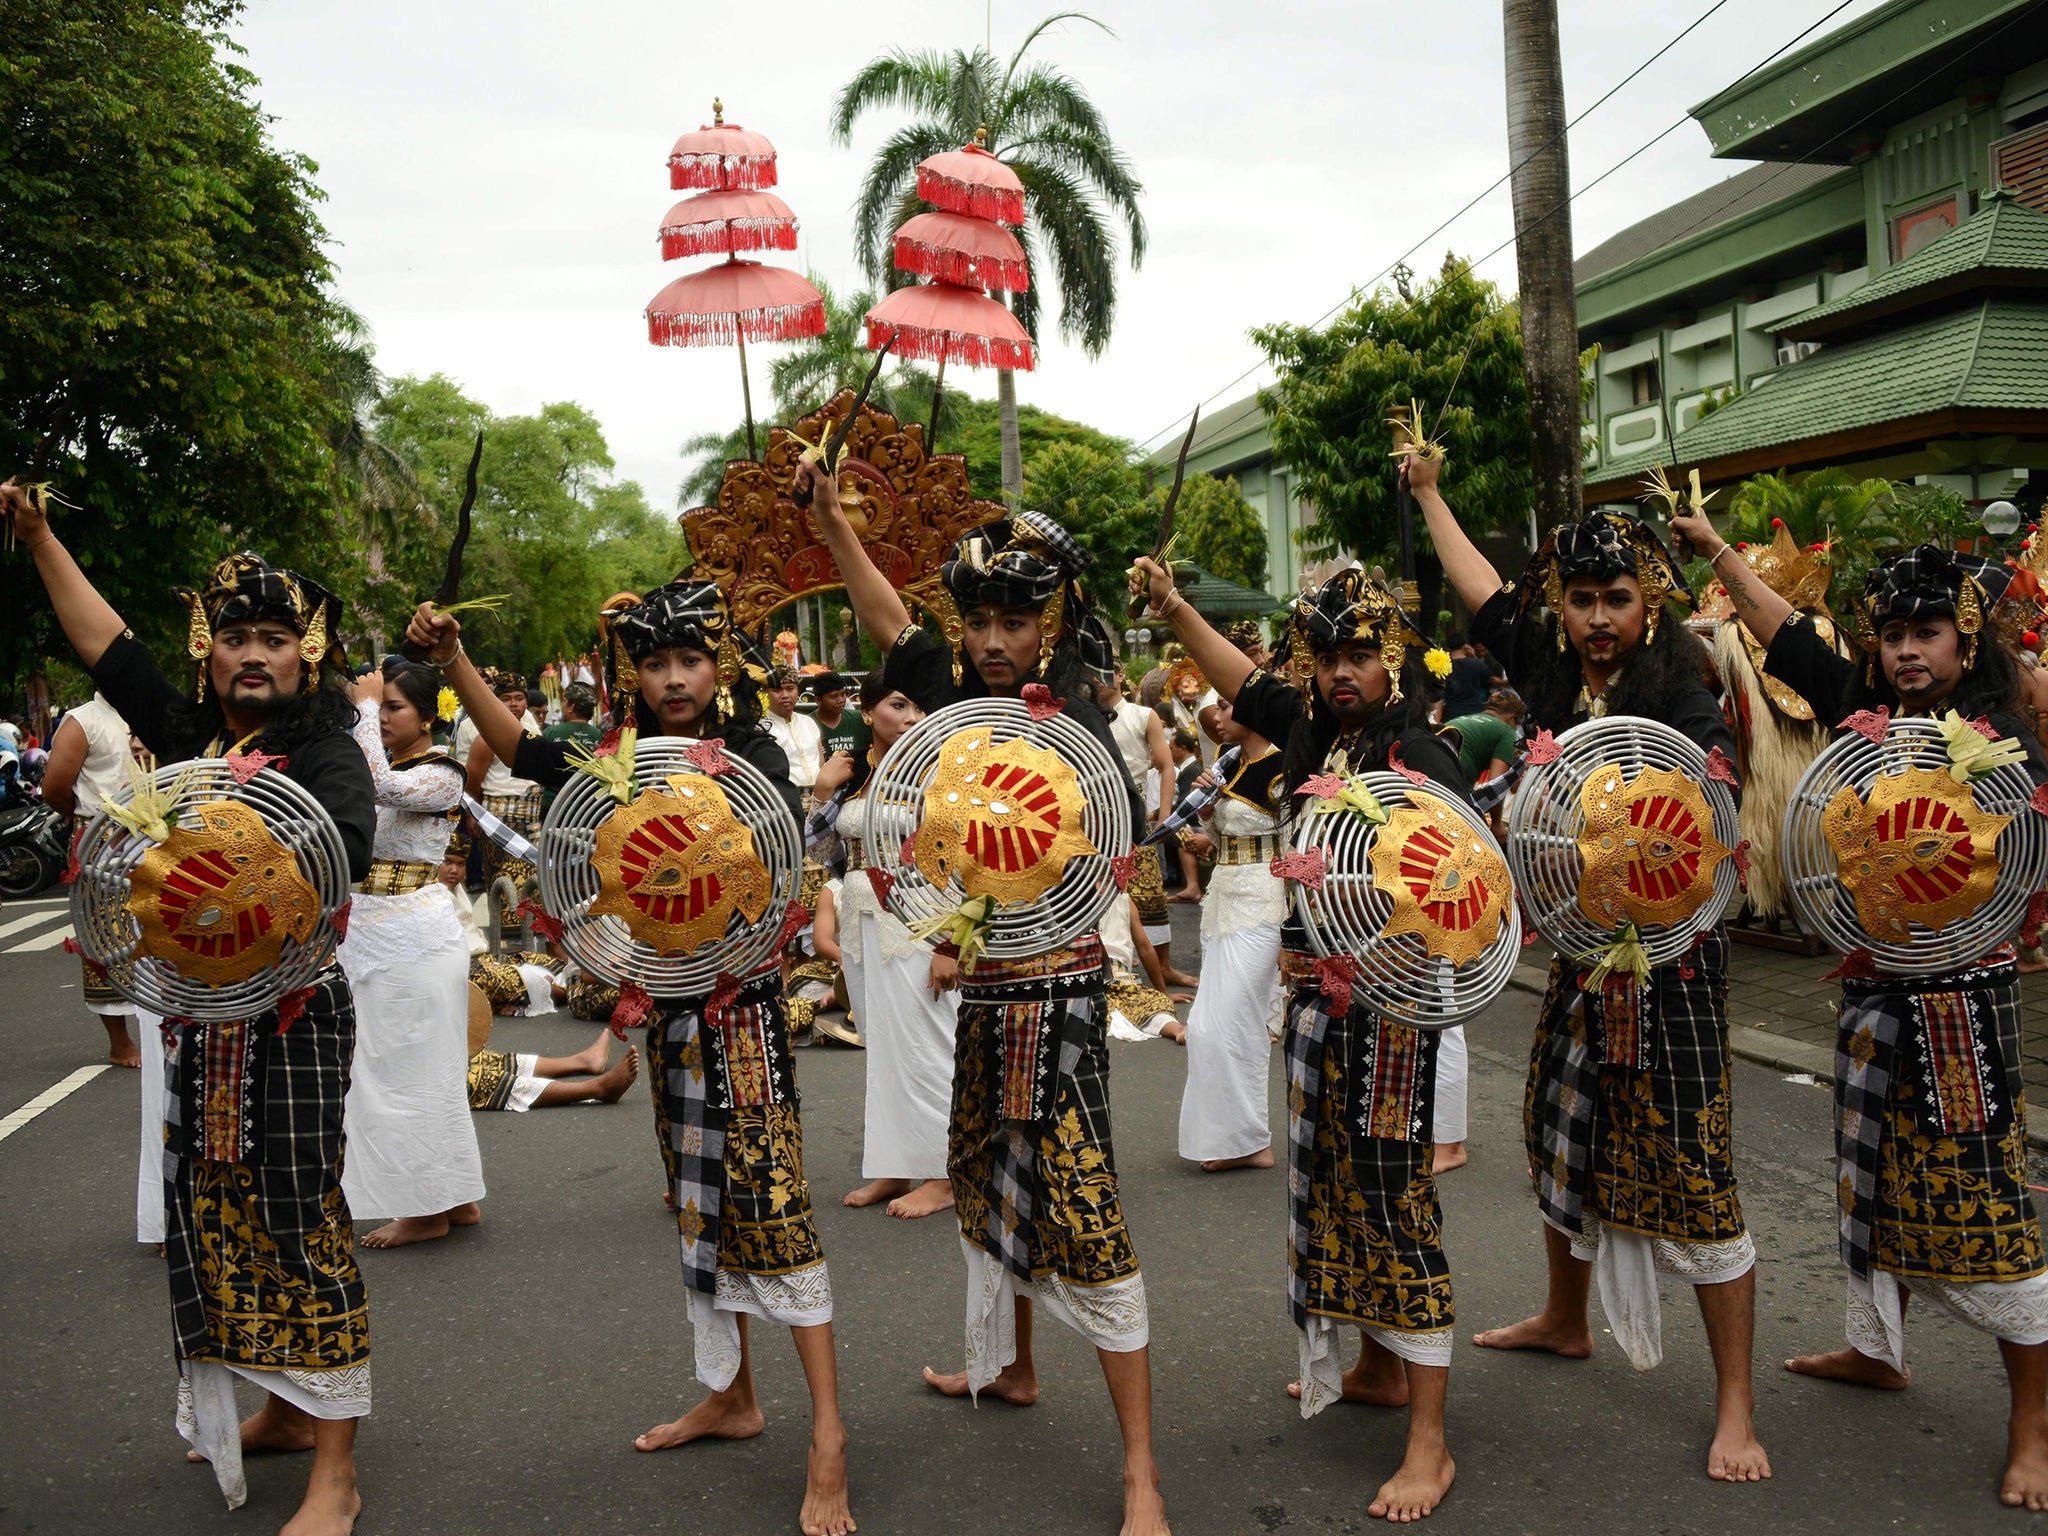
{"x":551,"y":526}
{"x":979,"y":438}
{"x":1825,"y":506}
{"x":1215,"y":527}
{"x":1097,"y":494}
{"x":167,"y":338}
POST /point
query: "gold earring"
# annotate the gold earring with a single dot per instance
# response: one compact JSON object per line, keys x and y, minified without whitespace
{"x":1049,"y":619}
{"x":728,"y":670}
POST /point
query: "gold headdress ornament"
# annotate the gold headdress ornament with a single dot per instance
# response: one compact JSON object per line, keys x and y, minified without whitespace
{"x":1603,"y":545}
{"x":1354,"y":607}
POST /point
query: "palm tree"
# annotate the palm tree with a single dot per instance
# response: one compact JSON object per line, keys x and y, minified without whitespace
{"x":377,"y":479}
{"x":1077,"y":184}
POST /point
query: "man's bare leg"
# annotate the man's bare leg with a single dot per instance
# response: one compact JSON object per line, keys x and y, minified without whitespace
{"x":1129,"y":1374}
{"x":1424,"y":1476}
{"x":1561,"y":1327}
{"x":1173,"y":978}
{"x":731,"y":1414}
{"x":2026,"y":1435}
{"x":277,"y":1428}
{"x":607,"y":1088}
{"x":825,"y":1511}
{"x":332,"y":1502}
{"x":1729,"y":1311}
{"x":1449,"y":1155}
{"x":588,"y":1062}
{"x":410,"y":1229}
{"x":1852,"y":1365}
{"x":875,"y":1191}
{"x":1376,"y":1381}
{"x":928,"y":1199}
{"x":1016,"y":1383}
{"x":122,"y":1050}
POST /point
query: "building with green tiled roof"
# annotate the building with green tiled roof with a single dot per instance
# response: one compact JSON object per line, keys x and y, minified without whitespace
{"x":1865,"y":296}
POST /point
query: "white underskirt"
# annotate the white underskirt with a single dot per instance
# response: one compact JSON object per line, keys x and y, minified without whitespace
{"x":1452,"y":1070}
{"x":799,"y":1300}
{"x":1322,"y":1373}
{"x":210,"y":1421}
{"x":540,"y":990}
{"x":1111,"y":1317}
{"x":526,"y":1086}
{"x":1223,"y":1110}
{"x":909,"y":1038}
{"x":1627,"y":1265}
{"x":2013,"y":1310}
{"x":150,"y":1170}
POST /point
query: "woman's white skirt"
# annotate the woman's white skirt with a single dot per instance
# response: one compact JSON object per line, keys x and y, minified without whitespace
{"x":149,"y":1168}
{"x":411,"y":1144}
{"x":909,"y":1039}
{"x":1224,"y":1111}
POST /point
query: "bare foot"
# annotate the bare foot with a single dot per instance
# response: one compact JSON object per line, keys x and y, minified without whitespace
{"x":596,"y":1056}
{"x":1177,"y":1032}
{"x":1180,"y":994}
{"x":131,"y":1056}
{"x":408,"y":1229}
{"x":1193,"y":897}
{"x":1263,"y":1158}
{"x":331,"y":1505}
{"x":875,"y":1191}
{"x":623,"y":1074}
{"x":467,"y":1214}
{"x":272,"y":1431}
{"x":2029,"y":968}
{"x":1449,"y":1155}
{"x":668,"y":1199}
{"x":1144,"y":1509}
{"x":721,"y":1416}
{"x":1571,"y":1339}
{"x":2026,"y":1462}
{"x":1012,"y":1385}
{"x":1736,"y":1456}
{"x":1416,"y":1488}
{"x":1384,"y":1388}
{"x":825,"y":1511}
{"x":928,"y":1199}
{"x":1850,"y":1365}
{"x":1179,"y":978}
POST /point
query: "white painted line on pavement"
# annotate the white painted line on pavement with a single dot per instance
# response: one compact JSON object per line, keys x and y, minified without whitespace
{"x":48,"y":940}
{"x":49,"y":1098}
{"x":30,"y":921}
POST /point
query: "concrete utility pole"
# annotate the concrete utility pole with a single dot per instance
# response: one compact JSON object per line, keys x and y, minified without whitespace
{"x":1543,"y":254}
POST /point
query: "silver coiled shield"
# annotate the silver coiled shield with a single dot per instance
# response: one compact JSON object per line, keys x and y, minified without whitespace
{"x":1350,"y":916}
{"x":1544,"y":829}
{"x":109,"y":935}
{"x":1017,"y":930}
{"x":600,"y":942}
{"x":1826,"y":907}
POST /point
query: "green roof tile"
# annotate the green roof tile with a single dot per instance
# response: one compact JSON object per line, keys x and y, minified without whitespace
{"x":2004,"y":236}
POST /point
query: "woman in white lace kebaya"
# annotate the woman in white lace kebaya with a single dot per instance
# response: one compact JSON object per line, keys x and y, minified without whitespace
{"x":904,"y":997}
{"x":412,"y":1152}
{"x":1224,"y":1118}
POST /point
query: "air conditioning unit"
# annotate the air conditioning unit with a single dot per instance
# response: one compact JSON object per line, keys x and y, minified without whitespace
{"x":1792,"y":351}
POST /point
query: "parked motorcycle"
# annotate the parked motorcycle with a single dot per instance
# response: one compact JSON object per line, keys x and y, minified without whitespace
{"x":34,"y":846}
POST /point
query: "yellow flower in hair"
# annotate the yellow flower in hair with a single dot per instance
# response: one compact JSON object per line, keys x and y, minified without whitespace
{"x":1438,"y":660}
{"x":446,"y":704}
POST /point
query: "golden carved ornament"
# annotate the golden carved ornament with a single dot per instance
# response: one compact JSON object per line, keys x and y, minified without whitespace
{"x":1449,"y":887}
{"x":676,"y":864}
{"x":1003,"y":818}
{"x":908,"y":509}
{"x":1648,"y":845}
{"x":218,"y":902}
{"x":1917,"y":851}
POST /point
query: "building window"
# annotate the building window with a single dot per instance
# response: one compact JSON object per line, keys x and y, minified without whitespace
{"x":2021,"y":163}
{"x":1922,"y":227}
{"x":1643,"y":385}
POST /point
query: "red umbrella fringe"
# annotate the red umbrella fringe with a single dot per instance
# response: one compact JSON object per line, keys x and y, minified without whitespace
{"x":720,"y":173}
{"x":785,"y":322}
{"x":952,"y":347}
{"x":958,"y":268}
{"x":720,"y":237}
{"x":978,"y":202}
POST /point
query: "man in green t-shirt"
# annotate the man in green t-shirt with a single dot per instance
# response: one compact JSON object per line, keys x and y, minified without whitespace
{"x":1486,"y":741}
{"x":841,"y":729}
{"x":579,"y":703}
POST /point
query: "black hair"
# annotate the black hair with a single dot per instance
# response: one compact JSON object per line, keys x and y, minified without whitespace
{"x":579,"y":701}
{"x":1185,"y":739}
{"x":536,"y":700}
{"x":420,"y":683}
{"x":327,"y":706}
{"x":875,"y":687}
{"x":1652,"y":675}
{"x":1309,"y":743}
{"x":1991,"y":687}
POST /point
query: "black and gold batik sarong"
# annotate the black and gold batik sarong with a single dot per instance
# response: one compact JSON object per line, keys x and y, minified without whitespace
{"x":1147,"y":891}
{"x":498,"y":978}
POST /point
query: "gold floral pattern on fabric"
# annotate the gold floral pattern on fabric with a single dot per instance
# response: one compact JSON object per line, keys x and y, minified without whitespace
{"x":260,"y":1312}
{"x":1448,"y":885}
{"x":1952,"y":1208}
{"x":764,"y":1223}
{"x":1649,"y":847}
{"x":218,"y":902}
{"x":676,"y":864}
{"x":1147,"y":889}
{"x":1917,"y":851}
{"x":1001,"y":817}
{"x":1667,"y":1168}
{"x":492,"y":1075}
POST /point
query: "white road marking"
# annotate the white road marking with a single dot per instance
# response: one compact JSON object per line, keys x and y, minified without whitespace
{"x":48,"y":940}
{"x":49,"y":1098}
{"x":31,"y":921}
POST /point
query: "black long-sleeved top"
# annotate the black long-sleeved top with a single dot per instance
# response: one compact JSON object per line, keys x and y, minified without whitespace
{"x":329,"y":764}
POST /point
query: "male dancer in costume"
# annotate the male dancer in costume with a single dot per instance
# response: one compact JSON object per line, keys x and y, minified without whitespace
{"x":731,"y":1139}
{"x":1364,"y":1227}
{"x":1627,"y":1117}
{"x":1033,"y":1170}
{"x":263,"y":1281}
{"x":1931,"y":1115}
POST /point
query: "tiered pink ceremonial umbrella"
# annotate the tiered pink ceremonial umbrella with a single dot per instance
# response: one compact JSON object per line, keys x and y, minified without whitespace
{"x":738,"y":301}
{"x":965,"y":253}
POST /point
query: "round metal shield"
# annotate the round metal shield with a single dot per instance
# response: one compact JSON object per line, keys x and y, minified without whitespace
{"x":1027,"y":811}
{"x":1423,"y":902}
{"x":1624,"y":826}
{"x":1886,"y":851}
{"x":229,"y":912}
{"x":691,"y":879}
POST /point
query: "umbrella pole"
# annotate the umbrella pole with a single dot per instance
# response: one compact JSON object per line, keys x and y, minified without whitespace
{"x":931,"y":432}
{"x":747,"y":395}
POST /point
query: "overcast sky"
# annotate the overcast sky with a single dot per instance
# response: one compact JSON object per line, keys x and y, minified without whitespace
{"x":495,"y":173}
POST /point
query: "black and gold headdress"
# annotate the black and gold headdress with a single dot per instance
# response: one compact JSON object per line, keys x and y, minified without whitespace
{"x":1354,"y":607}
{"x":1026,"y":561}
{"x":1930,"y":582}
{"x":1603,"y":545}
{"x":691,"y":614}
{"x":247,"y":589}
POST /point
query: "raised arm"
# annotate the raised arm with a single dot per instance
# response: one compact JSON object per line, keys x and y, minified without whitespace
{"x":1761,"y":610}
{"x":1470,"y":573}
{"x":1223,"y":664}
{"x":441,"y":633}
{"x":89,"y":621}
{"x":875,"y":603}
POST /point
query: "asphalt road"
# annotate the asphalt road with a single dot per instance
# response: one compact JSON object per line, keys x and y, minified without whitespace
{"x":516,"y":1361}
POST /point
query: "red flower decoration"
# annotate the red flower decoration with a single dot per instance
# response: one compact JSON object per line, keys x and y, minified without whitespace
{"x":910,"y":849}
{"x":634,"y":1008}
{"x":793,"y":922}
{"x":608,"y":744}
{"x":1305,"y":865}
{"x":1324,"y":786}
{"x":1872,"y":723}
{"x":1039,"y":702}
{"x":724,"y":993}
{"x":340,"y":919}
{"x":2032,"y":638}
{"x":247,"y":765}
{"x":1719,"y":768}
{"x":709,"y":756}
{"x":1335,"y":975}
{"x":882,"y":881}
{"x":1544,"y":749}
{"x":71,"y":946}
{"x":1983,"y":727}
{"x":291,"y":1006}
{"x":545,"y":923}
{"x":1857,"y":962}
{"x":1529,"y":936}
{"x":1741,"y":862}
{"x":70,"y":875}
{"x":2040,"y":800}
{"x":1394,"y":762}
{"x":1122,"y":866}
